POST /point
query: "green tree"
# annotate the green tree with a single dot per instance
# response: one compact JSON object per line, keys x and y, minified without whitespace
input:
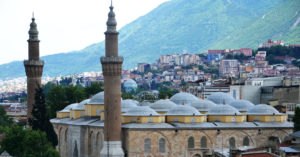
{"x":166,"y":92}
{"x":56,"y":100}
{"x":296,"y":119}
{"x":40,"y":120}
{"x":5,"y":120}
{"x":74,"y":94}
{"x":27,"y":143}
{"x":93,"y":89}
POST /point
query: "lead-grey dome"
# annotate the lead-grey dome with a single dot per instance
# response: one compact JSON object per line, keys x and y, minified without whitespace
{"x":141,"y":111}
{"x":68,"y":108}
{"x":145,"y":103}
{"x":127,"y":105}
{"x":220,"y":98}
{"x":223,"y":110}
{"x":183,"y":110}
{"x":80,"y":106}
{"x":183,"y":97}
{"x":163,"y":105}
{"x":241,"y":105}
{"x":263,"y":109}
{"x":97,"y":99}
{"x":203,"y":105}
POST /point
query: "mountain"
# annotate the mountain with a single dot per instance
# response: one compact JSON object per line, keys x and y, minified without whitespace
{"x":183,"y":26}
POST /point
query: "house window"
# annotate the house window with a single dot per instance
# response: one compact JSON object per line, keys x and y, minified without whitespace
{"x":217,"y":119}
{"x":175,"y":119}
{"x":98,"y":112}
{"x":191,"y":142}
{"x":149,"y":120}
{"x":246,"y":141}
{"x":193,"y":120}
{"x":256,"y":119}
{"x":162,"y":145}
{"x":132,"y":120}
{"x":147,"y":146}
{"x":203,"y":142}
{"x":273,"y":119}
{"x":233,"y":119}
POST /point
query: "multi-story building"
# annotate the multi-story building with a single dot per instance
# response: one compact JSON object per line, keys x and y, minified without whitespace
{"x":229,"y":68}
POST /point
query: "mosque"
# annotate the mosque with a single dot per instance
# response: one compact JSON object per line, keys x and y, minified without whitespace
{"x":182,"y":126}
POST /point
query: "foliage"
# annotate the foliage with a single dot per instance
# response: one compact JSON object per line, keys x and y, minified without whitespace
{"x":40,"y":120}
{"x":239,"y":57}
{"x":127,"y":95}
{"x":296,"y":119}
{"x":5,"y":120}
{"x":27,"y":143}
{"x":56,"y":100}
{"x":93,"y":89}
{"x":65,"y":81}
{"x":282,"y":51}
{"x":165,"y":92}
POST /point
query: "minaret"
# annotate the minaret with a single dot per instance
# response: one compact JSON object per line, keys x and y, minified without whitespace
{"x":33,"y":66}
{"x":112,"y":69}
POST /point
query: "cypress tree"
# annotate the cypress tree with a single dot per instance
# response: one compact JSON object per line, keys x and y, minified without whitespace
{"x":296,"y":119}
{"x":40,"y":120}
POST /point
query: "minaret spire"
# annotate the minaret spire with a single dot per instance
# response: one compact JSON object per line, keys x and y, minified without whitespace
{"x":111,"y":21}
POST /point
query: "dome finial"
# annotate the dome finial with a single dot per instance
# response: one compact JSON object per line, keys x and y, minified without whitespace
{"x":33,"y":32}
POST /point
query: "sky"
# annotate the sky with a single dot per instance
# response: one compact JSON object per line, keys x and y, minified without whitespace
{"x":63,"y":25}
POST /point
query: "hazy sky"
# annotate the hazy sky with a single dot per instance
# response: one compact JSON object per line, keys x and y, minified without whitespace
{"x":64,"y":25}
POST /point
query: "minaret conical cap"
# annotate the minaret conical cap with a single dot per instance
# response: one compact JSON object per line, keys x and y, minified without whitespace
{"x":111,"y":22}
{"x":33,"y":32}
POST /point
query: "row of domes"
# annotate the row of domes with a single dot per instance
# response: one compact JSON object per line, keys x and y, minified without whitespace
{"x":191,"y":106}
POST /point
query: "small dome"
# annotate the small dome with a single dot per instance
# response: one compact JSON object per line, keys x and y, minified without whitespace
{"x":241,"y":105}
{"x":183,"y":97}
{"x":80,"y":106}
{"x":127,"y":104}
{"x":130,"y":83}
{"x":97,"y":99}
{"x":145,"y":103}
{"x":69,"y":107}
{"x":223,"y":110}
{"x":263,"y":109}
{"x":141,"y":111}
{"x":183,"y":110}
{"x":163,"y":105}
{"x":220,"y":98}
{"x":131,"y":100}
{"x":203,"y":105}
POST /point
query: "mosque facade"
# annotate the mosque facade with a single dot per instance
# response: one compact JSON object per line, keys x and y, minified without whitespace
{"x":182,"y":126}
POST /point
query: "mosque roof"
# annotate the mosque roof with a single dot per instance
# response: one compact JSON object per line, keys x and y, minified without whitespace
{"x":80,"y":106}
{"x":145,"y":103}
{"x":69,"y":107}
{"x":220,"y":98}
{"x":97,"y":99}
{"x":127,"y":104}
{"x":183,"y":110}
{"x":263,"y":109}
{"x":163,"y":105}
{"x":141,"y":111}
{"x":183,"y":97}
{"x":223,"y":110}
{"x":241,"y":105}
{"x":130,"y":83}
{"x":203,"y":105}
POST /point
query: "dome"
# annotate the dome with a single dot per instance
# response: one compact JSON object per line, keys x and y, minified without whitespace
{"x":203,"y":105}
{"x":69,"y":107}
{"x":80,"y":106}
{"x":131,"y":100}
{"x":163,"y":105}
{"x":145,"y":103}
{"x":127,"y":104}
{"x":263,"y":109}
{"x":183,"y":97}
{"x":241,"y":105}
{"x":223,"y":110}
{"x":183,"y":110}
{"x":141,"y":111}
{"x":97,"y":99}
{"x":220,"y":98}
{"x":130,"y":83}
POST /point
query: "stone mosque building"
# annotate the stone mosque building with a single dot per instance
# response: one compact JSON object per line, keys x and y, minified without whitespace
{"x":182,"y":126}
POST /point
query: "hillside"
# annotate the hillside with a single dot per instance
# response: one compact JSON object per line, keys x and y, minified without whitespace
{"x":184,"y":26}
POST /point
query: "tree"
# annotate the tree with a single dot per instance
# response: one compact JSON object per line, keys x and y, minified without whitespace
{"x":93,"y":89}
{"x":296,"y":119}
{"x":5,"y":120}
{"x":40,"y":120}
{"x":56,"y":100}
{"x":27,"y":143}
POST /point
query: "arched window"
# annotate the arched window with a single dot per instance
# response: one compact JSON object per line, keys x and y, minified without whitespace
{"x":246,"y":141}
{"x":75,"y":153}
{"x":162,"y":145}
{"x":147,"y":146}
{"x":232,"y":142}
{"x":191,"y":142}
{"x":203,"y":142}
{"x":90,"y":144}
{"x":66,"y":136}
